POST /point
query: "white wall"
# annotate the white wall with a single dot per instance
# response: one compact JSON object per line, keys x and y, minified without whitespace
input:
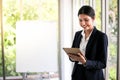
{"x":65,"y":37}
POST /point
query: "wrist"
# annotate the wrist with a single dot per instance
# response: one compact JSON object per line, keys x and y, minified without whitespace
{"x":84,"y":64}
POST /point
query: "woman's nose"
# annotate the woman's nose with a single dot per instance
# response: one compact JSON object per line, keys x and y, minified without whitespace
{"x":82,"y":23}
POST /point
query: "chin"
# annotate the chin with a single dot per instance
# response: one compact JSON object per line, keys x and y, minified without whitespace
{"x":86,"y":29}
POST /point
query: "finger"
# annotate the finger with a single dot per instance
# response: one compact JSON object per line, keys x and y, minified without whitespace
{"x":79,"y":54}
{"x":74,"y":56}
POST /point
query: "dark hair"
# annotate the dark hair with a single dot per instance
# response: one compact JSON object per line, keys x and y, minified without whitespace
{"x":87,"y":10}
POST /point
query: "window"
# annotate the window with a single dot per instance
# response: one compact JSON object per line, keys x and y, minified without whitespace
{"x":24,"y":10}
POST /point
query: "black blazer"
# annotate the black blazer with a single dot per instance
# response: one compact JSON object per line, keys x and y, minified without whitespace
{"x":96,"y":55}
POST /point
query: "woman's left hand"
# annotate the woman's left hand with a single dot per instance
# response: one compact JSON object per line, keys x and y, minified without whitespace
{"x":79,"y":57}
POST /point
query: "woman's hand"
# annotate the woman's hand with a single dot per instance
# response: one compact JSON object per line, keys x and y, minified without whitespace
{"x":77,"y":57}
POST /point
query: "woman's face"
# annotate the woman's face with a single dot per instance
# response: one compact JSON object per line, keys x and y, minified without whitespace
{"x":86,"y":22}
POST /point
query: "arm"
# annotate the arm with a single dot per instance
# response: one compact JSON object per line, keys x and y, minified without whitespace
{"x":101,"y":54}
{"x":75,"y":43}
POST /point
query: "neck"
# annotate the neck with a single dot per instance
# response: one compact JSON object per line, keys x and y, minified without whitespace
{"x":87,"y":32}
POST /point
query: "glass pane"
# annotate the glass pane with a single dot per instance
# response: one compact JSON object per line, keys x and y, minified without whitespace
{"x":25,"y":10}
{"x":1,"y":73}
{"x":10,"y":16}
{"x":1,"y":44}
{"x":112,"y":31}
{"x":86,"y":2}
{"x":98,"y":14}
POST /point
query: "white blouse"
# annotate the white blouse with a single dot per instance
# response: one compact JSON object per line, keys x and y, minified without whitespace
{"x":83,"y":43}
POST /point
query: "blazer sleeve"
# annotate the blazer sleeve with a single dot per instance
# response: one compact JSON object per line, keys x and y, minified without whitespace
{"x":74,"y":43}
{"x":101,"y":54}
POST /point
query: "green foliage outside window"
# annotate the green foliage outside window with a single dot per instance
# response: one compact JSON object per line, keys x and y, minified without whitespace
{"x":47,"y":11}
{"x":11,"y":14}
{"x":112,"y":74}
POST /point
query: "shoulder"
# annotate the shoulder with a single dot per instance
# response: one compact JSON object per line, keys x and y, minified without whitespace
{"x":98,"y":32}
{"x":101,"y":35}
{"x":78,"y":32}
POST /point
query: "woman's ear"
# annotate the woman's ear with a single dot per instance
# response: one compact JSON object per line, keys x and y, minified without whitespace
{"x":94,"y":23}
{"x":94,"y":18}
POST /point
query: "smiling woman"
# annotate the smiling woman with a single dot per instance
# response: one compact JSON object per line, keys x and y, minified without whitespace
{"x":106,"y":20}
{"x":92,"y":44}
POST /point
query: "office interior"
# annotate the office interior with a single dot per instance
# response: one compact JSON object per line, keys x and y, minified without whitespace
{"x":64,"y":14}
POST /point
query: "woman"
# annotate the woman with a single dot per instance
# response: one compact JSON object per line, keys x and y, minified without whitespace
{"x":93,"y":45}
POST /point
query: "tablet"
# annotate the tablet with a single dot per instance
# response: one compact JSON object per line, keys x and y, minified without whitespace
{"x":72,"y":50}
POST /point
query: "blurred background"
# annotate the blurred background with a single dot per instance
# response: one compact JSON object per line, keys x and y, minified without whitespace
{"x":64,"y":14}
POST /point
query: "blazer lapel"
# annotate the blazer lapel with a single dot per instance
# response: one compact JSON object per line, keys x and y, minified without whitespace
{"x":79,"y":40}
{"x":90,"y":39}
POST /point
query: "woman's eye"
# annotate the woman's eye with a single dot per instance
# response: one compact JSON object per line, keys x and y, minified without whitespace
{"x":86,"y":20}
{"x":80,"y":20}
